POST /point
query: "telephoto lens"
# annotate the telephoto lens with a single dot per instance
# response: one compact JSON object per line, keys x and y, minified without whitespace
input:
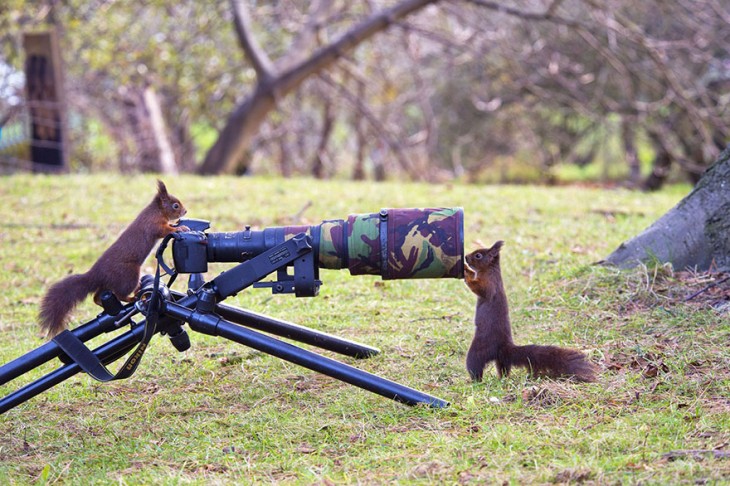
{"x":399,"y":243}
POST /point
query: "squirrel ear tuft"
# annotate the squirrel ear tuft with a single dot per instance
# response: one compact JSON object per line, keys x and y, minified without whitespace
{"x":496,"y":247}
{"x":161,"y":189}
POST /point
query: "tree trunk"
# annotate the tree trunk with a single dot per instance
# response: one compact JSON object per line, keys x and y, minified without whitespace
{"x":167,"y":164}
{"x":285,"y":157}
{"x":147,"y":127}
{"x":358,"y":173}
{"x":632,"y":157}
{"x":660,"y":166}
{"x":146,"y":157}
{"x":235,"y":137}
{"x":183,"y":144}
{"x":693,"y":234}
{"x":318,"y":161}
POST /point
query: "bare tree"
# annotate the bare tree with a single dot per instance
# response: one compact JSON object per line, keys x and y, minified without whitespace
{"x":273,"y":83}
{"x":654,"y":64}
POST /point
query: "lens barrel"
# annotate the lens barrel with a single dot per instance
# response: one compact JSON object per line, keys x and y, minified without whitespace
{"x":397,"y":243}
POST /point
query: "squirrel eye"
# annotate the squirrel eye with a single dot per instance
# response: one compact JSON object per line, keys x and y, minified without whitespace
{"x":175,"y":206}
{"x":478,"y":256}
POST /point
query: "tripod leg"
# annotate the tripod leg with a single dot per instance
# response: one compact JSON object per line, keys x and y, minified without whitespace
{"x":28,"y":361}
{"x":108,"y":352}
{"x":215,"y":326}
{"x":295,"y":332}
{"x":288,"y":330}
{"x":50,"y":350}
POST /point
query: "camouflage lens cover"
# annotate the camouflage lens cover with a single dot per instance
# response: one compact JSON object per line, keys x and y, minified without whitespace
{"x":364,"y":256}
{"x":425,"y":243}
{"x":407,"y":243}
{"x":332,"y":245}
{"x":395,"y":243}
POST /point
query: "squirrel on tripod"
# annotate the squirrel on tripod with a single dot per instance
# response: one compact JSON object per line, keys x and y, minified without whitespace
{"x":493,"y":335}
{"x":118,"y":268}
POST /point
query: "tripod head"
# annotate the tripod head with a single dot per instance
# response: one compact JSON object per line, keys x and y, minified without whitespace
{"x":173,"y":328}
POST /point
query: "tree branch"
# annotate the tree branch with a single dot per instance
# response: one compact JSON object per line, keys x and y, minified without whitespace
{"x":326,"y":56}
{"x":379,"y":128}
{"x":259,"y":60}
{"x":308,"y":36}
{"x":548,"y":15}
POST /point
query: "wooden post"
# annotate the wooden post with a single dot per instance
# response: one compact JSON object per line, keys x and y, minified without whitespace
{"x":46,"y":102}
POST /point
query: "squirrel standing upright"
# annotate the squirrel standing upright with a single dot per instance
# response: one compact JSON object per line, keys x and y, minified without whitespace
{"x":118,"y":268}
{"x":493,"y":336}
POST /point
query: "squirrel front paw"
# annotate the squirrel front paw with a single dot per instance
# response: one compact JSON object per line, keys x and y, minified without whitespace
{"x":469,"y":272}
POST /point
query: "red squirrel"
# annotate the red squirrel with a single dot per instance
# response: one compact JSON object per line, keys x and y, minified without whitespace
{"x":493,"y":336}
{"x":118,"y":268}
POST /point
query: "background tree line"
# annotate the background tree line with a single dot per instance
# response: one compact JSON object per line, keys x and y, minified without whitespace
{"x":431,"y":90}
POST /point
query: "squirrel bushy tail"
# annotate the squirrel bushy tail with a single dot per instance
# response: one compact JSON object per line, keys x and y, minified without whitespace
{"x":61,"y":299}
{"x":551,"y":361}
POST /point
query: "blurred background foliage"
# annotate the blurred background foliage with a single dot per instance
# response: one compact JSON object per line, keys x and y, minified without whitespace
{"x":542,"y":91}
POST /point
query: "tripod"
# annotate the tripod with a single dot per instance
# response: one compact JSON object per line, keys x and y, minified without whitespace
{"x":202,"y":310}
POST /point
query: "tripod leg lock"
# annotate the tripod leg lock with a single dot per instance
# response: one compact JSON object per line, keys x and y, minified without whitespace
{"x":110,"y":303}
{"x":206,"y":301}
{"x":200,"y":321}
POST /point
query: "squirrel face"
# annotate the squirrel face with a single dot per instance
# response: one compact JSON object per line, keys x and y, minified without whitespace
{"x":484,"y":258}
{"x":482,"y":272}
{"x":172,"y":208}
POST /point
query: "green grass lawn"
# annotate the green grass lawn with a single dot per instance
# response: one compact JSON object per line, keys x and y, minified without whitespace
{"x":223,"y":413}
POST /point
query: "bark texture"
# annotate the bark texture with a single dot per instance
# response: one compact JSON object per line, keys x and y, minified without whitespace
{"x":693,"y":234}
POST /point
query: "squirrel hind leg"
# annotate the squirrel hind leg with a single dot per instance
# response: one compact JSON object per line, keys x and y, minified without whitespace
{"x":97,"y":297}
{"x":481,"y":353}
{"x":98,"y":294}
{"x":503,"y":361}
{"x":503,"y":368}
{"x":125,"y":286}
{"x":475,"y":364}
{"x":475,"y":374}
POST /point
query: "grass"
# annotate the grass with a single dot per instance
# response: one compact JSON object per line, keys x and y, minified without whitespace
{"x":224,"y":413}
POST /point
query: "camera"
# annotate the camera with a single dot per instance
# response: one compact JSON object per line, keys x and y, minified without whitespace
{"x":395,"y":243}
